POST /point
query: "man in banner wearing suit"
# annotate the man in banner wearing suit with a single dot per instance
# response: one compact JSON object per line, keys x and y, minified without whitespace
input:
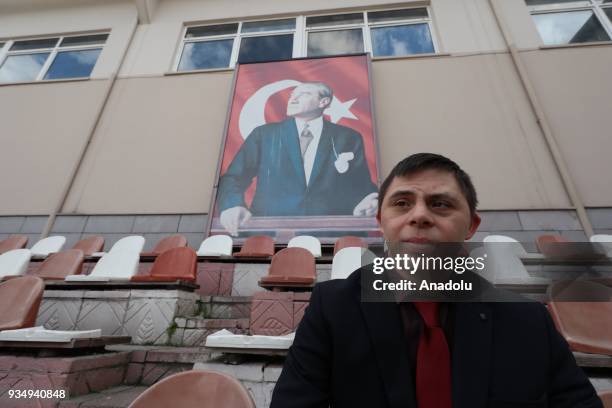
{"x":349,"y":352}
{"x":304,"y":165}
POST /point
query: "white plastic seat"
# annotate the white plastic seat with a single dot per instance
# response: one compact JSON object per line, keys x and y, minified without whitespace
{"x":39,"y":333}
{"x":226,"y":339}
{"x":117,"y":265}
{"x":503,"y":261}
{"x":14,"y":262}
{"x":48,"y":245}
{"x":348,"y":260}
{"x":307,"y":242}
{"x":216,"y":245}
{"x":131,"y":243}
{"x":606,"y":242}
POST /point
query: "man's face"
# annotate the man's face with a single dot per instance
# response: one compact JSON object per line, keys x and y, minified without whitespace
{"x":305,"y":102}
{"x":427,"y":207}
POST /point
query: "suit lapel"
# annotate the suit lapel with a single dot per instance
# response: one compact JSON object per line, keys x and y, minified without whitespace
{"x":292,"y":143}
{"x":384,"y":326}
{"x":471,"y":355}
{"x":325,"y":152}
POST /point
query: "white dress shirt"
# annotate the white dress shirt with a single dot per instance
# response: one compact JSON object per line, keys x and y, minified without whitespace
{"x":316,"y":127}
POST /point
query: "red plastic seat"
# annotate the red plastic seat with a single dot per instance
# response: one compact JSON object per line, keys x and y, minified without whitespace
{"x":260,"y":246}
{"x":349,"y":241}
{"x":585,"y":325}
{"x":172,"y":241}
{"x":606,"y":398}
{"x":19,"y":302}
{"x":90,"y":245}
{"x":556,"y":246}
{"x":61,"y":264}
{"x":291,"y":267}
{"x":197,"y":389}
{"x":172,"y":265}
{"x":13,"y":242}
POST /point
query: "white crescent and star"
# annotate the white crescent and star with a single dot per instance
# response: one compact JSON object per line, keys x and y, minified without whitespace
{"x":253,"y":110}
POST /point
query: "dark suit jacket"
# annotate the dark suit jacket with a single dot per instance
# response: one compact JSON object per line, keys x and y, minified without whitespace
{"x":272,"y":154}
{"x":349,"y":353}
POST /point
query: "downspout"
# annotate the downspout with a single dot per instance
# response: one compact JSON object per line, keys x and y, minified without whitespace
{"x":77,"y":166}
{"x":549,"y":137}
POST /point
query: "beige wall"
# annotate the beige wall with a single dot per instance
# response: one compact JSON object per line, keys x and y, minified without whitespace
{"x":156,"y":148}
{"x":575,"y":88}
{"x":44,"y":126}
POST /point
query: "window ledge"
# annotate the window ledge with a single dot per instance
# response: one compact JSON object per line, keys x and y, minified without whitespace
{"x":198,"y":71}
{"x":411,"y":56}
{"x":45,"y":81}
{"x":576,"y":45}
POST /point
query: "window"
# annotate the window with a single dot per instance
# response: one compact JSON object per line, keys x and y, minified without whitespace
{"x":572,"y":21}
{"x":222,"y":45}
{"x":382,"y":33}
{"x":50,"y":58}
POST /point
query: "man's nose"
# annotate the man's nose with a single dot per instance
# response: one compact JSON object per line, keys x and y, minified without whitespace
{"x":420,"y":215}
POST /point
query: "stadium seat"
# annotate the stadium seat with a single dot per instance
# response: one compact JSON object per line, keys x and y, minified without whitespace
{"x":131,"y":243}
{"x":258,"y":246}
{"x":216,"y":245}
{"x":172,"y":265}
{"x":90,"y":245}
{"x":61,"y":264}
{"x":19,"y":302}
{"x":346,"y":261}
{"x":197,"y":389}
{"x":291,"y":267}
{"x":117,"y":265}
{"x":556,"y":246}
{"x":307,"y":242}
{"x":582,"y":312}
{"x":606,"y":398}
{"x":349,"y":241}
{"x":604,"y":240}
{"x":48,"y":245}
{"x":164,"y":244}
{"x":13,"y":242}
{"x":504,"y":265}
{"x":14,"y":263}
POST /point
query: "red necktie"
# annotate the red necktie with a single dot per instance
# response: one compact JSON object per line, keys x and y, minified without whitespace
{"x":433,"y":373}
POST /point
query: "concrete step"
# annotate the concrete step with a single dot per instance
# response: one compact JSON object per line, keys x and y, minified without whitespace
{"x":192,"y":331}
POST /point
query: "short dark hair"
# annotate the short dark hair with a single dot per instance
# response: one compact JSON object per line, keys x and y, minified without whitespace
{"x":429,"y":161}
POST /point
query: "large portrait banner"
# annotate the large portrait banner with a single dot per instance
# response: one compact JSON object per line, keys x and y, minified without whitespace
{"x":299,"y":156}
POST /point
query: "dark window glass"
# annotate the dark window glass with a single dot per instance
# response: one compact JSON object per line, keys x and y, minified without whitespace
{"x":337,"y":19}
{"x":84,"y":40}
{"x":401,"y":40}
{"x":73,"y":64}
{"x":546,"y":2}
{"x":221,"y":29}
{"x":395,"y":15}
{"x":268,"y":48}
{"x":34,"y":44}
{"x":335,"y":42}
{"x":608,"y":11}
{"x":206,"y":55}
{"x":272,"y":25}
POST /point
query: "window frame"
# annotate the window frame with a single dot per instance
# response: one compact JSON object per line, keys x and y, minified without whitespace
{"x":300,"y":34}
{"x":596,"y":6}
{"x":236,"y":37}
{"x":53,"y":51}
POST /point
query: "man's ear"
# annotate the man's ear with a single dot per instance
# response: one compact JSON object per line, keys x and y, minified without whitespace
{"x":474,"y":226}
{"x":324,"y":102}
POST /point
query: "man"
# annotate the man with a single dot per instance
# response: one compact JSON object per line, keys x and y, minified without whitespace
{"x":304,"y":165}
{"x":349,"y":353}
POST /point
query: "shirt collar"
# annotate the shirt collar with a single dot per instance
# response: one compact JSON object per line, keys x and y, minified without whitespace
{"x":315,"y":125}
